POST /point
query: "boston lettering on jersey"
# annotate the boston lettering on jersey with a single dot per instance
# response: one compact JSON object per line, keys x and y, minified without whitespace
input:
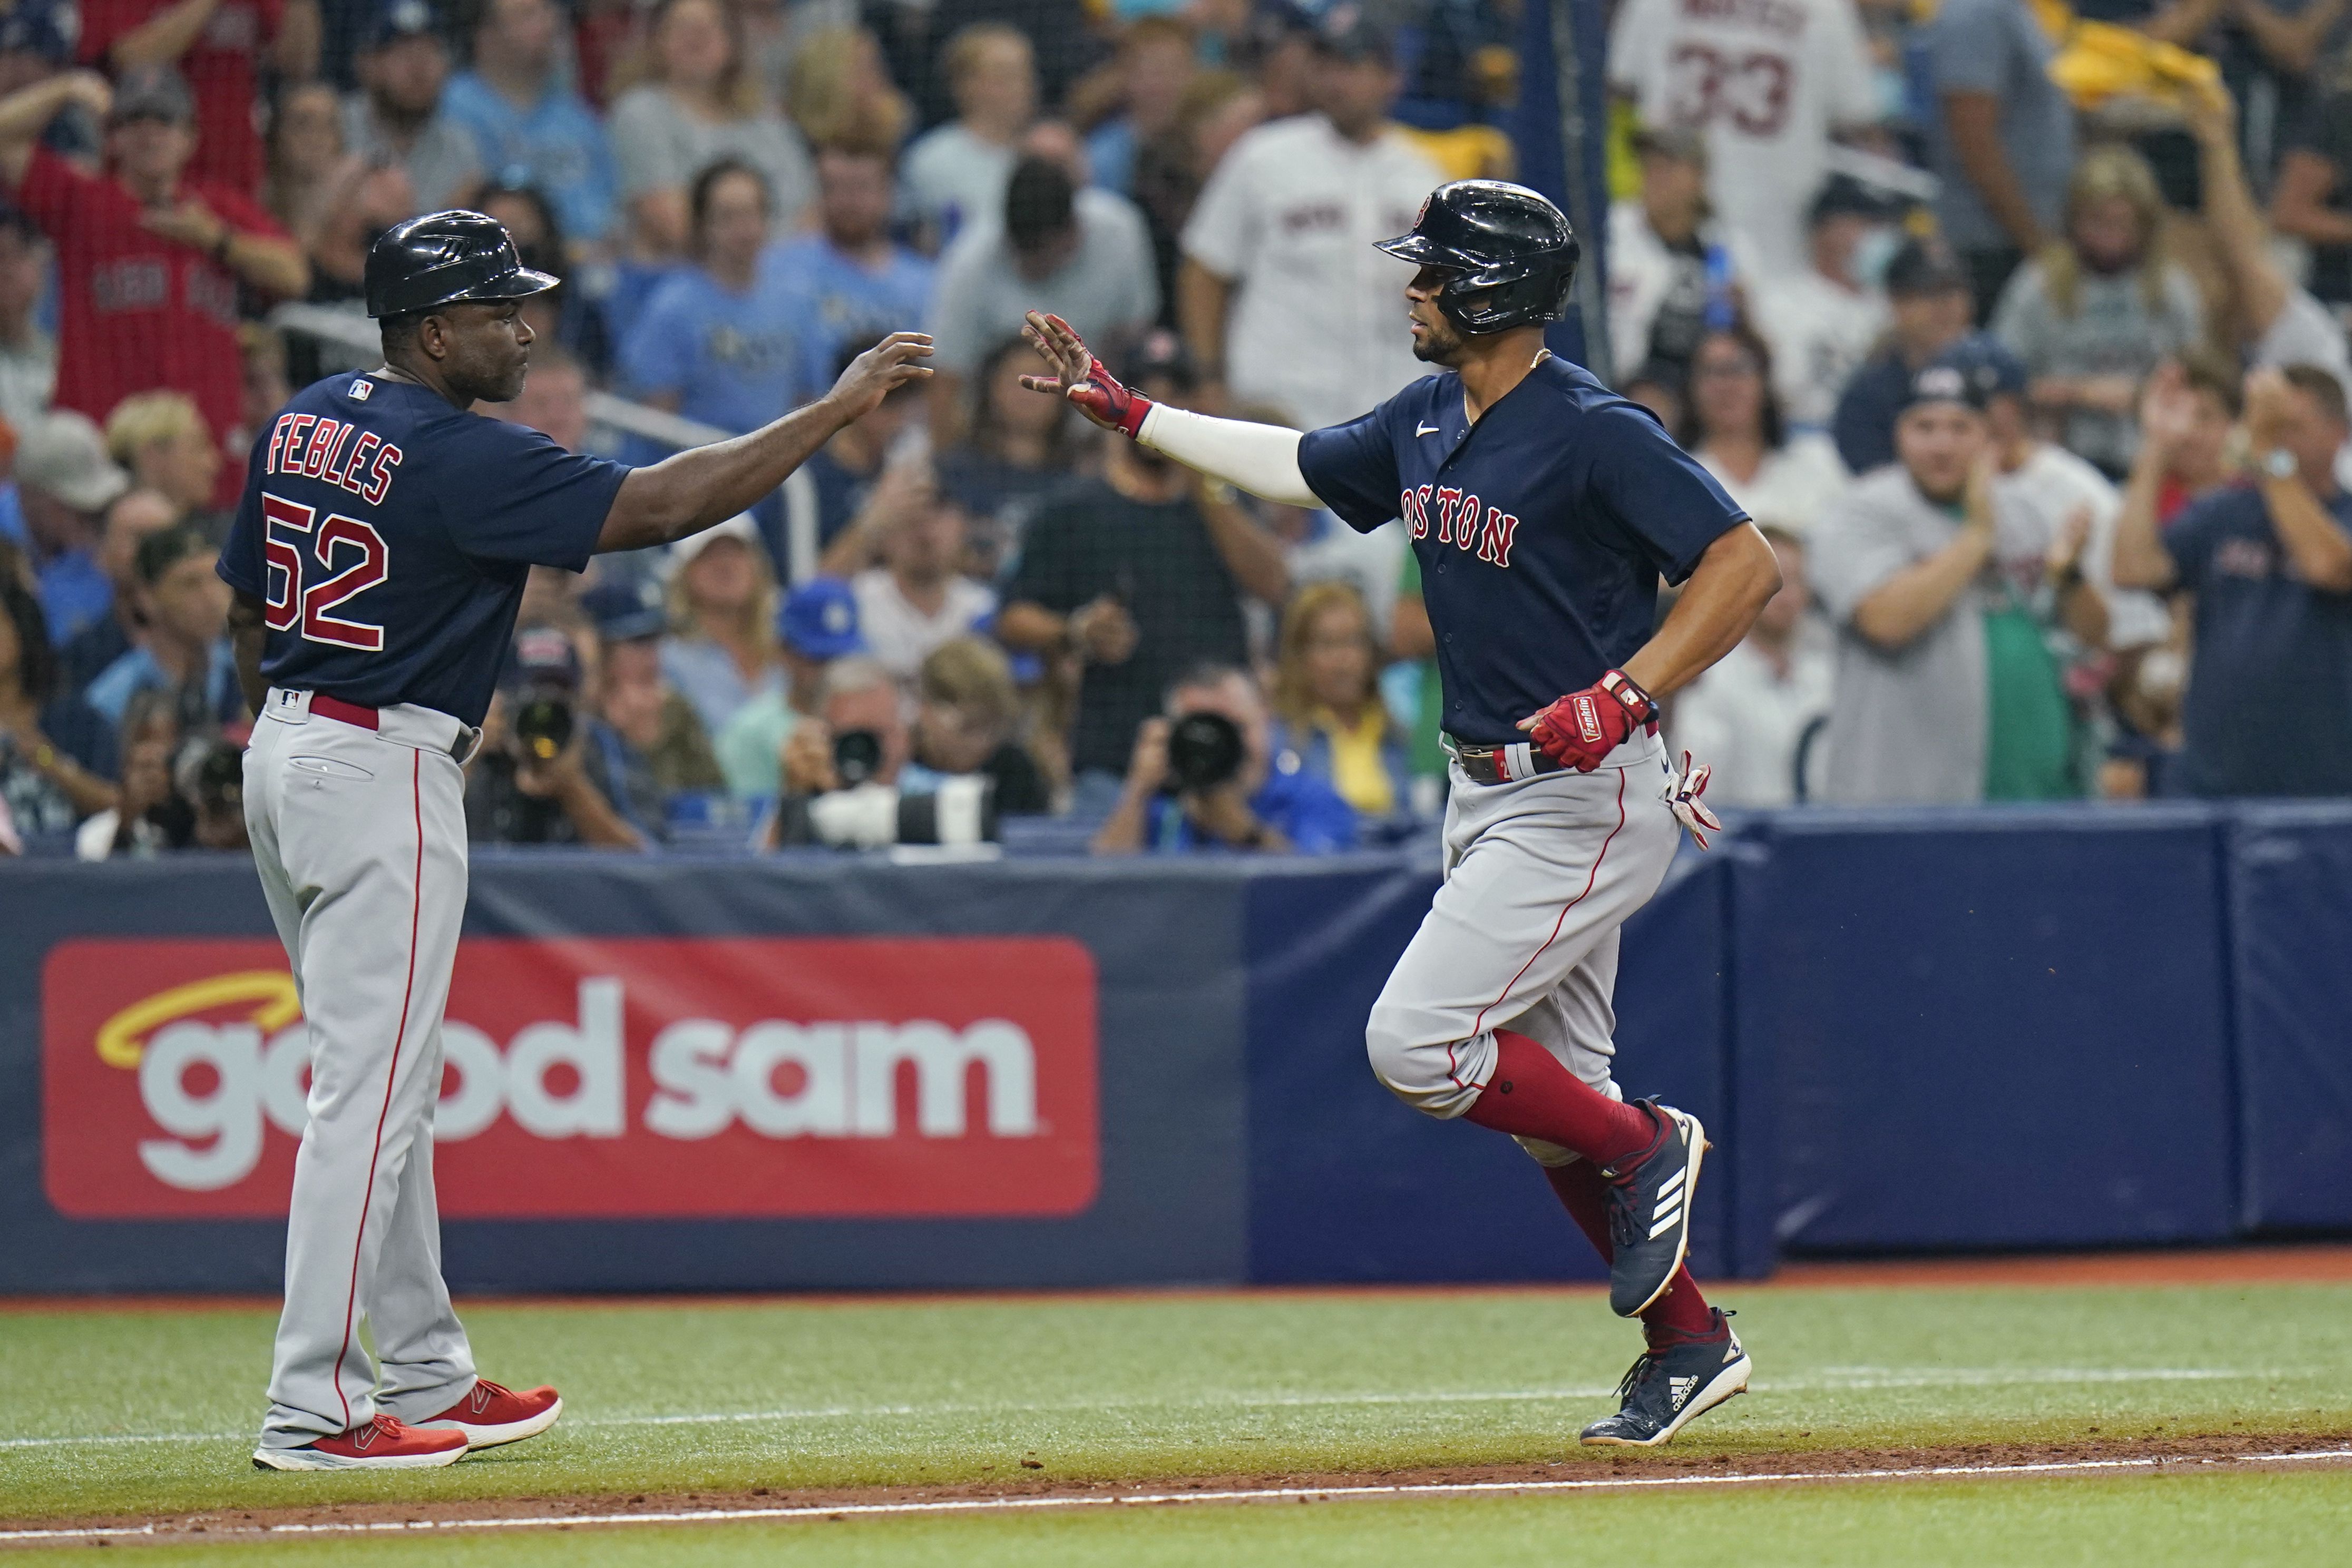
{"x":388,"y":535}
{"x":1542,"y":532}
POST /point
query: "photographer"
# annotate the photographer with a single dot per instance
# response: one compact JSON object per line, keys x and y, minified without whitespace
{"x":1207,"y":775}
{"x":965,"y":717}
{"x":847,"y":781}
{"x":529,"y":783}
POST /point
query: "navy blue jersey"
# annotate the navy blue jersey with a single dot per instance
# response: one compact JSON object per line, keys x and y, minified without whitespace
{"x":1542,"y":532}
{"x":389,"y":534}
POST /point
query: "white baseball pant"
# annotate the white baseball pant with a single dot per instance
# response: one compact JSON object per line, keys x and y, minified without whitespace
{"x":360,"y":838}
{"x":1541,"y":873}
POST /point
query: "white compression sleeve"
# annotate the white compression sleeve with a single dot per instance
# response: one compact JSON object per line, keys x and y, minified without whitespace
{"x":1260,"y":458}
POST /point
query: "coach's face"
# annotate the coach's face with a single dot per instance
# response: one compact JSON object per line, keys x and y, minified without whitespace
{"x":482,"y":346}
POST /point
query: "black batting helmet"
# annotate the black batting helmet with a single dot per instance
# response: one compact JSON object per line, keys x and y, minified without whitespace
{"x":442,"y":259}
{"x":1511,"y":252}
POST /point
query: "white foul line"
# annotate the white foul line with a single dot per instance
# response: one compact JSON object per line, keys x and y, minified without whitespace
{"x":1263,"y":1494}
{"x":1835,"y":1380}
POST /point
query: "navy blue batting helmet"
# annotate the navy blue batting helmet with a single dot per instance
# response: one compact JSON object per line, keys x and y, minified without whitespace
{"x":1511,"y":252}
{"x":443,"y":258}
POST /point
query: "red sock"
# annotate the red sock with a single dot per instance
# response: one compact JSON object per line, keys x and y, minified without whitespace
{"x":1531,"y":1095}
{"x":1682,"y":1313}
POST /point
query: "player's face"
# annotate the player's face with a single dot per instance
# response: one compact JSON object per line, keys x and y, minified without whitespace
{"x":486,"y":348}
{"x":1435,"y":339}
{"x":1939,"y":442}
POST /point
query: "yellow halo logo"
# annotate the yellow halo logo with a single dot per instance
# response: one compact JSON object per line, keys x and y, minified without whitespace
{"x":122,"y":1039}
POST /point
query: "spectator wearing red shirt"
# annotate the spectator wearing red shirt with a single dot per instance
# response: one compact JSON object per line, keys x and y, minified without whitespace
{"x":219,"y":46}
{"x":148,"y":264}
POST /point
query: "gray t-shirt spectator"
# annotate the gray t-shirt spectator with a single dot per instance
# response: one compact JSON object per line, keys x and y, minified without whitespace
{"x":1996,"y":46}
{"x":658,"y":145}
{"x":1106,"y":289}
{"x":2113,"y":331}
{"x":1907,"y":724}
{"x":441,"y":164}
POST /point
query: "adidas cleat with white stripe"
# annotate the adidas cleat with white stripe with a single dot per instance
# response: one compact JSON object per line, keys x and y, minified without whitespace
{"x":1668,"y":1389}
{"x":1650,"y":1212}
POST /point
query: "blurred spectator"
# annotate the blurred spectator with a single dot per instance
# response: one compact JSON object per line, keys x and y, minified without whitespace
{"x":147,"y":817}
{"x":1747,"y":717}
{"x":718,"y":341}
{"x":530,"y":782}
{"x":395,"y":119}
{"x":1671,"y":271}
{"x":850,"y":281}
{"x":64,"y":484}
{"x":45,"y":791}
{"x":2311,"y":200}
{"x":2270,"y":682}
{"x":2277,"y":57}
{"x":1928,"y":293}
{"x":1662,"y":387}
{"x":2002,"y":137}
{"x":37,"y":42}
{"x":261,"y":356}
{"x":1766,"y":85}
{"x":1288,"y":221}
{"x":1734,"y":427}
{"x":958,"y":171}
{"x":2276,"y":320}
{"x":161,"y":439}
{"x":857,"y":703}
{"x":1327,"y":706}
{"x":148,"y":265}
{"x":722,"y":610}
{"x":309,"y":170}
{"x":696,"y":101}
{"x":2200,"y":398}
{"x":1019,"y":447}
{"x":837,"y":91}
{"x":849,"y":475}
{"x":2092,"y":315}
{"x":183,"y":649}
{"x":130,"y":519}
{"x":1947,"y":689}
{"x":208,"y":776}
{"x":29,"y":355}
{"x":648,"y":745}
{"x":522,"y":113}
{"x":1221,"y":784}
{"x":1154,"y":66}
{"x":1138,"y":577}
{"x":966,"y":707}
{"x":1824,"y":320}
{"x":917,"y":598}
{"x":220,"y":46}
{"x":1081,"y":255}
{"x":817,"y":625}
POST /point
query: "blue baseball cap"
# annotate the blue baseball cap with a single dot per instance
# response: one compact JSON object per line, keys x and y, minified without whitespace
{"x":626,"y":613}
{"x":398,"y":19}
{"x":819,"y":619}
{"x":1974,"y":370}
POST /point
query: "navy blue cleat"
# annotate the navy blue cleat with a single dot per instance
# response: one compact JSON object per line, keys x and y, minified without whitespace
{"x":1650,"y":1211}
{"x":1668,"y":1389}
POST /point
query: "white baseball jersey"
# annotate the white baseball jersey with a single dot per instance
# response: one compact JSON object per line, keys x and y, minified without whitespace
{"x":1767,"y":80}
{"x":1317,"y":331}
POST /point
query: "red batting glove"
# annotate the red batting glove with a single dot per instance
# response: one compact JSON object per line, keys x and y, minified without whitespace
{"x":1102,"y":399}
{"x":1583,"y":727}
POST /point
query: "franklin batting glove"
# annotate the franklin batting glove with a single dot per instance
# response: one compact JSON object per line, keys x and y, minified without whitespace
{"x":1583,"y":727}
{"x":1104,"y":399}
{"x":1680,"y":794}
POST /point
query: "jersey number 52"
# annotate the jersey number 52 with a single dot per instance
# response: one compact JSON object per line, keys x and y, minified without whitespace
{"x":295,"y":606}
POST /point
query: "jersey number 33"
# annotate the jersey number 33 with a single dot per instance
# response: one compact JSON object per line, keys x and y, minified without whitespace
{"x":329,"y":564}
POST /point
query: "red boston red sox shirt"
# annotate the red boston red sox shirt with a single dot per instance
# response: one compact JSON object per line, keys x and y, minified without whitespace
{"x":138,"y":311}
{"x":222,"y":69}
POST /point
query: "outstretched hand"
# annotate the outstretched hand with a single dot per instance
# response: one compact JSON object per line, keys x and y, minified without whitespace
{"x":1080,"y":378}
{"x":881,"y":371}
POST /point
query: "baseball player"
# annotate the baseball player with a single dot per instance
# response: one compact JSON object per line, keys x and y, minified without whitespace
{"x":1543,"y":510}
{"x":378,"y":561}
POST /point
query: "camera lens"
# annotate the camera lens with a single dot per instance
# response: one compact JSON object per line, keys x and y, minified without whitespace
{"x":856,"y":757}
{"x":543,"y":726}
{"x":1204,"y":750}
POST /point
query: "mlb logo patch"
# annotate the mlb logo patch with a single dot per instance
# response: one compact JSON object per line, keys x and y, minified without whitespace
{"x":362,"y":388}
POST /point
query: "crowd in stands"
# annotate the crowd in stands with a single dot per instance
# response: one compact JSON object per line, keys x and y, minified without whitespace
{"x":2019,"y":330}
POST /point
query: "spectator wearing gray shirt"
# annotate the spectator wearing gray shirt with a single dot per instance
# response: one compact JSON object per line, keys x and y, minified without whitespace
{"x":955,"y":173}
{"x":2096,"y":311}
{"x":2001,"y":140}
{"x":395,"y":117}
{"x":695,"y":103}
{"x":1081,"y":255}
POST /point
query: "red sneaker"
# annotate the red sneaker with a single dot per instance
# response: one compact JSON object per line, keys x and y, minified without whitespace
{"x":491,"y":1414}
{"x":384,"y":1444}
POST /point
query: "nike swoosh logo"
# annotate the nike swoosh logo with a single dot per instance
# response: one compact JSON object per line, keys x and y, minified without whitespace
{"x":1426,"y":430}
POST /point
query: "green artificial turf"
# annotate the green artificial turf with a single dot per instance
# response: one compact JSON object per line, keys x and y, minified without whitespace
{"x":159,"y":1407}
{"x":2194,"y":1521}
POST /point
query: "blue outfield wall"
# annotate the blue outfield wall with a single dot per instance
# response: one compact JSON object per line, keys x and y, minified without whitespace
{"x":2030,"y":1027}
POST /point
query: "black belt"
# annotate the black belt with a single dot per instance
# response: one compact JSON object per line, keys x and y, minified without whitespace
{"x":1503,"y":764}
